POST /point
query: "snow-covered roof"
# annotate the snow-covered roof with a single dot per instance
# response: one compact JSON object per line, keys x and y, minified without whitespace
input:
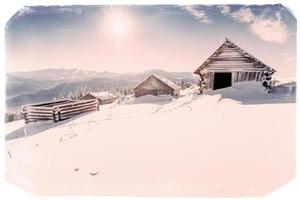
{"x":102,"y":95}
{"x":164,"y":80}
{"x":167,"y":81}
{"x":230,"y":56}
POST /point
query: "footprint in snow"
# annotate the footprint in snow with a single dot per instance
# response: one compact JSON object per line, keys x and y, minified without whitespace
{"x":9,"y":154}
{"x":66,"y":137}
{"x":93,"y":173}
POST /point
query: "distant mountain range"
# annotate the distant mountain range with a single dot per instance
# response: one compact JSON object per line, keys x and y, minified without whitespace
{"x":57,"y":74}
{"x":18,"y":85}
{"x":45,"y":85}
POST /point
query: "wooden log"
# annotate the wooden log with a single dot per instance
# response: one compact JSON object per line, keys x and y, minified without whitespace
{"x":39,"y":112}
{"x":77,"y":108}
{"x":74,"y":112}
{"x":77,"y":112}
{"x":35,"y":112}
{"x":230,"y":50}
{"x":38,"y":108}
{"x":236,"y":58}
{"x":42,"y":113}
{"x":77,"y":103}
{"x":82,"y":102}
{"x":232,"y":64}
{"x":233,"y":70}
{"x":39,"y":116}
{"x":71,"y":107}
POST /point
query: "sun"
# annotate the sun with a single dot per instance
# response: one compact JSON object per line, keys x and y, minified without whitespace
{"x":118,"y":23}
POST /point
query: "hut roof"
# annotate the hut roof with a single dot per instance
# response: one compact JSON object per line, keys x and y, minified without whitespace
{"x":102,"y":95}
{"x":231,"y":56}
{"x":164,"y":80}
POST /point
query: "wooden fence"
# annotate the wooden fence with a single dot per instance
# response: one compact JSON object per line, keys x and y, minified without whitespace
{"x":58,"y":110}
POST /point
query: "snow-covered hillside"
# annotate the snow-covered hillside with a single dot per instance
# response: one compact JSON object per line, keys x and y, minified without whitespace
{"x":238,"y":141}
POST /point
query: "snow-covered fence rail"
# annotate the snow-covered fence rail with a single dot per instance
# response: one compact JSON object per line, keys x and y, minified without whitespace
{"x":68,"y":110}
{"x":57,"y":110}
{"x":33,"y":113}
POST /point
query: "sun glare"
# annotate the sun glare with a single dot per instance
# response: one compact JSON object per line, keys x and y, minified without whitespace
{"x":118,"y":23}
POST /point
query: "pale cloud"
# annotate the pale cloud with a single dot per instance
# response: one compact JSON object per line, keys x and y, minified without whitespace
{"x":288,"y":58}
{"x":75,"y":10}
{"x":285,"y":53}
{"x":224,"y":9}
{"x":243,"y":15}
{"x":72,"y":9}
{"x":25,"y":11}
{"x":198,"y":13}
{"x":266,"y":27}
{"x":270,"y":29}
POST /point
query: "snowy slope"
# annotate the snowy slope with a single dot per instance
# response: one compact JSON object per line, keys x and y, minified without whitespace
{"x":237,"y":141}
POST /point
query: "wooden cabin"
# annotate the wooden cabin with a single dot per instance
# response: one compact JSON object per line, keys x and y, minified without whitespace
{"x":230,"y":64}
{"x":102,"y":97}
{"x":156,"y":85}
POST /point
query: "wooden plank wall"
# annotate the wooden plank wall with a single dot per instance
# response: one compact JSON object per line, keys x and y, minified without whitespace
{"x":236,"y":77}
{"x":246,"y":76}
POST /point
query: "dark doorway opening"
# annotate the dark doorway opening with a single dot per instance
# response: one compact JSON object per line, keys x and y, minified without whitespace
{"x":222,"y":80}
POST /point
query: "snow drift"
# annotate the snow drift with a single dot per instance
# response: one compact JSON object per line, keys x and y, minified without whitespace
{"x":238,"y":141}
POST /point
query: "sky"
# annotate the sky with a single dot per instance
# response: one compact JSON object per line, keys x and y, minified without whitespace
{"x":136,"y":38}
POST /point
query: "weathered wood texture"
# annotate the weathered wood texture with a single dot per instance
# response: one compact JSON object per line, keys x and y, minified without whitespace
{"x":57,"y":110}
{"x":229,"y":57}
{"x":156,"y":86}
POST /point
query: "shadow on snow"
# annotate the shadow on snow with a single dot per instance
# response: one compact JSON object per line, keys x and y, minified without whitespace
{"x":34,"y":128}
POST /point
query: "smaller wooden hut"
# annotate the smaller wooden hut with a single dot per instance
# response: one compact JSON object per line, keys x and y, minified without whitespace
{"x":156,"y":85}
{"x":102,"y":97}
